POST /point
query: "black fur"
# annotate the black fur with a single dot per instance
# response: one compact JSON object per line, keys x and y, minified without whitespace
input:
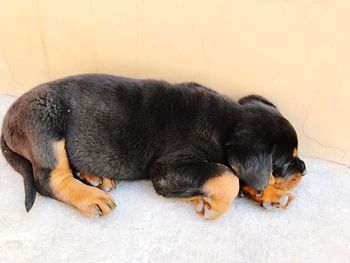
{"x":174,"y":134}
{"x":255,"y":99}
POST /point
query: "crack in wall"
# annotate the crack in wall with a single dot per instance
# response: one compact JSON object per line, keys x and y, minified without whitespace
{"x":39,"y":21}
{"x":343,"y":158}
{"x":342,"y":150}
{"x":10,"y":70}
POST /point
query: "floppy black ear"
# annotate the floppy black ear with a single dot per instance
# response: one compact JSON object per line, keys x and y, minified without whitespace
{"x":250,"y":146}
{"x":255,"y":98}
{"x":252,"y":164}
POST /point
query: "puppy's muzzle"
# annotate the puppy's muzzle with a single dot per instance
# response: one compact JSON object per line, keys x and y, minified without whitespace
{"x":301,"y":166}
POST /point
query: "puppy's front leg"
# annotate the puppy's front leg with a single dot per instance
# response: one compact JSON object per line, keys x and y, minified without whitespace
{"x":211,"y":187}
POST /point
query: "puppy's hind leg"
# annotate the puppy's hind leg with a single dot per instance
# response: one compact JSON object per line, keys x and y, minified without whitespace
{"x":90,"y":201}
{"x":35,"y":127}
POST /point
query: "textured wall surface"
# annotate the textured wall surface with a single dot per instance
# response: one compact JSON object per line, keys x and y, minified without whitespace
{"x":294,"y":52}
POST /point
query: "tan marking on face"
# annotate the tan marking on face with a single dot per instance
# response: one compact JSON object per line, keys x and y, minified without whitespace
{"x":287,"y":184}
{"x":271,"y":180}
{"x":220,"y":192}
{"x":90,"y":201}
{"x":295,"y":152}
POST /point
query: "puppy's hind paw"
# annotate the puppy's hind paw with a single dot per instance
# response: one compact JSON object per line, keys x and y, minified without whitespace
{"x":108,"y":184}
{"x":105,"y":184}
{"x":284,"y":201}
{"x":95,"y":203}
{"x":90,"y":179}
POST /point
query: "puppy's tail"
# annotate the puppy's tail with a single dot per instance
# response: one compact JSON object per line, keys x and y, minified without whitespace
{"x":24,"y":167}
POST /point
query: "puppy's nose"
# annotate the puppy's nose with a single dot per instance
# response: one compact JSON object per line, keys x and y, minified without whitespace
{"x":305,"y":172}
{"x":302,"y":166}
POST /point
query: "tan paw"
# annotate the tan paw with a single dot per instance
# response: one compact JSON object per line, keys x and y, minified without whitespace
{"x":108,"y":184}
{"x":283,"y":202}
{"x":105,"y":184}
{"x":210,"y":209}
{"x":90,"y":201}
{"x":270,"y":197}
{"x":89,"y":178}
{"x":220,"y":191}
{"x":94,"y":202}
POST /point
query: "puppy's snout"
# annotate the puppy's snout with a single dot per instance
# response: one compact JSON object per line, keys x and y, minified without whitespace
{"x":301,"y":166}
{"x":304,"y":172}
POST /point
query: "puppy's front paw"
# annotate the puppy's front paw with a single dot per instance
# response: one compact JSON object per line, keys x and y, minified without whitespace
{"x":271,"y":197}
{"x":283,"y":202}
{"x":203,"y":207}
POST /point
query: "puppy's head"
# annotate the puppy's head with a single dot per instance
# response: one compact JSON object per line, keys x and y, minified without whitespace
{"x":262,"y":143}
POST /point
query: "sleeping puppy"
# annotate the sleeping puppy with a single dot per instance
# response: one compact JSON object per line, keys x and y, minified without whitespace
{"x":190,"y":141}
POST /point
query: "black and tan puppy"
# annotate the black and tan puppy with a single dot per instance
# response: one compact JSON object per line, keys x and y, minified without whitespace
{"x":190,"y":141}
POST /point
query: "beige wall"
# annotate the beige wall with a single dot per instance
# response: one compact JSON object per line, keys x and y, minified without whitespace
{"x":294,"y":52}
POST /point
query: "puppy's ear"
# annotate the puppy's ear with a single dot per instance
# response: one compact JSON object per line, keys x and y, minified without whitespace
{"x":255,"y":99}
{"x":250,"y":148}
{"x":252,"y":164}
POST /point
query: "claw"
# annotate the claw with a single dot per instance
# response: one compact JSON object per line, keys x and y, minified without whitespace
{"x":206,"y":212}
{"x":106,"y":189}
{"x":267,"y":205}
{"x":94,"y":183}
{"x":284,"y":200}
{"x":199,"y":207}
